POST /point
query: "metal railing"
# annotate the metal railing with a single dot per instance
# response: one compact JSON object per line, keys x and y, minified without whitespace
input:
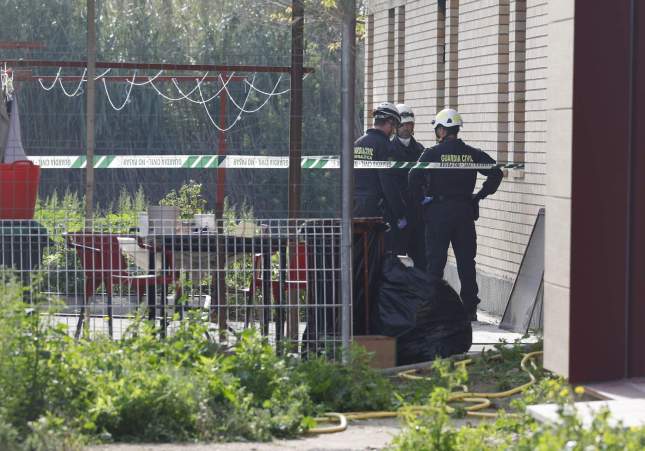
{"x":278,"y":276}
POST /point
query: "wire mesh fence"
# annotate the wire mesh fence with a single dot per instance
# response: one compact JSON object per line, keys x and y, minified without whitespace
{"x":278,"y":276}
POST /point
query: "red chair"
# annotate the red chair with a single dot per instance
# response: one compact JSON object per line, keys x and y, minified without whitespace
{"x":295,"y":280}
{"x":104,"y":264}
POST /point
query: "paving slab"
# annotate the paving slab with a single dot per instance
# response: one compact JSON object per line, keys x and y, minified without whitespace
{"x":621,"y":389}
{"x":631,"y":413}
{"x":486,"y":333}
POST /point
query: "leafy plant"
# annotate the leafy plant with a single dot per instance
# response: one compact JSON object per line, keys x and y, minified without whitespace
{"x":9,"y":436}
{"x":50,"y":433}
{"x":140,"y":388}
{"x":431,"y":427}
{"x":26,"y":346}
{"x":433,"y":431}
{"x":61,"y":393}
{"x":273,"y":384}
{"x":189,"y":199}
{"x":353,"y":386}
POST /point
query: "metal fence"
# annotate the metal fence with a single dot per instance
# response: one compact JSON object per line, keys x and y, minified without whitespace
{"x":278,"y":276}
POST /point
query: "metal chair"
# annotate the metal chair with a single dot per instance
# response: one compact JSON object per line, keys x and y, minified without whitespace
{"x":104,"y":264}
{"x":295,"y":280}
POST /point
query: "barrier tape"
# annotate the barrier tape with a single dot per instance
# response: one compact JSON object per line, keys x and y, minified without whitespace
{"x":237,"y":162}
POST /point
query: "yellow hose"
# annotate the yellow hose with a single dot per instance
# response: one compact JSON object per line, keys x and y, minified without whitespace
{"x":497,"y":395}
{"x":371,"y":415}
{"x":481,"y":400}
{"x":340,"y":427}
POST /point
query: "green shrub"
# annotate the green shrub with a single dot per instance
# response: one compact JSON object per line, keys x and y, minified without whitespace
{"x":50,"y":433}
{"x":432,"y":428}
{"x":140,"y":388}
{"x":347,"y":387}
{"x":154,"y":406}
{"x":60,"y":393}
{"x":273,"y":385}
{"x":29,"y":352}
{"x":433,"y":431}
{"x":8,"y":436}
{"x":189,"y":199}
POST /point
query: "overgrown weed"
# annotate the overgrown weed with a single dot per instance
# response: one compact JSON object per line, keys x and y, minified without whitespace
{"x":61,"y":393}
{"x":433,"y":427}
{"x":142,"y":388}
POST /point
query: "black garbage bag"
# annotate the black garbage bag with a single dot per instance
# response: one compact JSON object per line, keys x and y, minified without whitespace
{"x":400,"y":295}
{"x":443,"y":328}
{"x":425,"y":314}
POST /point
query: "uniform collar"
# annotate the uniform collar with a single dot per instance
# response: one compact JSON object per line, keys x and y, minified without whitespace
{"x":450,"y":140}
{"x":372,"y":131}
{"x":405,"y":141}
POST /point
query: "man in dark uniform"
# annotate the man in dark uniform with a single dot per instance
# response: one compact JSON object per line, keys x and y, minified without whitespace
{"x":375,"y":190}
{"x":450,"y":207}
{"x":411,"y":240}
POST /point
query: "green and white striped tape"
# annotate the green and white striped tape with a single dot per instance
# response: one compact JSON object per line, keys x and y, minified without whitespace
{"x":235,"y":162}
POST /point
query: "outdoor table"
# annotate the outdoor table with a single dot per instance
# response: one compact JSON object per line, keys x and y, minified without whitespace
{"x":223,"y":246}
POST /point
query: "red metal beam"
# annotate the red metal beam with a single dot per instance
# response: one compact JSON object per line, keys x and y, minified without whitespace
{"x":220,"y":192}
{"x":154,"y":66}
{"x":21,"y":45}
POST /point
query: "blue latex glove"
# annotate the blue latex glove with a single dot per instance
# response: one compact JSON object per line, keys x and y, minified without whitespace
{"x":426,"y":200}
{"x":402,"y":223}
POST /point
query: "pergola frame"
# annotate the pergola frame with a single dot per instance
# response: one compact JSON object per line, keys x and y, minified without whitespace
{"x":223,"y":70}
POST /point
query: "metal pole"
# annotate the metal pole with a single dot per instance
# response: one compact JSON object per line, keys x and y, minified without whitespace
{"x":295,"y":176}
{"x":295,"y":122}
{"x":90,"y":111}
{"x":221,"y":150}
{"x":348,"y":76}
{"x":220,"y":276}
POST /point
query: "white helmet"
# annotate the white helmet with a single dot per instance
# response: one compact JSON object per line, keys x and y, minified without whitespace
{"x":386,"y":110}
{"x":447,"y":118}
{"x":407,"y":115}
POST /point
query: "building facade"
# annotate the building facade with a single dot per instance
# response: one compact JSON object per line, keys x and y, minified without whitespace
{"x":555,"y":85}
{"x":488,"y":60}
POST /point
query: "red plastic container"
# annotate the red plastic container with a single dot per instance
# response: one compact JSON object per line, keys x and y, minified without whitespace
{"x":18,"y":189}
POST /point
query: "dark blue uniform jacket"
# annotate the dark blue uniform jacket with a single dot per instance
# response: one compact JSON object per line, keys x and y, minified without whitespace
{"x":453,"y":183}
{"x":376,"y":190}
{"x":412,"y":152}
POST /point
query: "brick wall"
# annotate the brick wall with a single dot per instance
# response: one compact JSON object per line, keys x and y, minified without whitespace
{"x":494,"y":72}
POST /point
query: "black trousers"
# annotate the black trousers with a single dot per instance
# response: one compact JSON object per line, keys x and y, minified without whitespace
{"x":416,"y":242}
{"x":410,"y":241}
{"x":452,"y":222}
